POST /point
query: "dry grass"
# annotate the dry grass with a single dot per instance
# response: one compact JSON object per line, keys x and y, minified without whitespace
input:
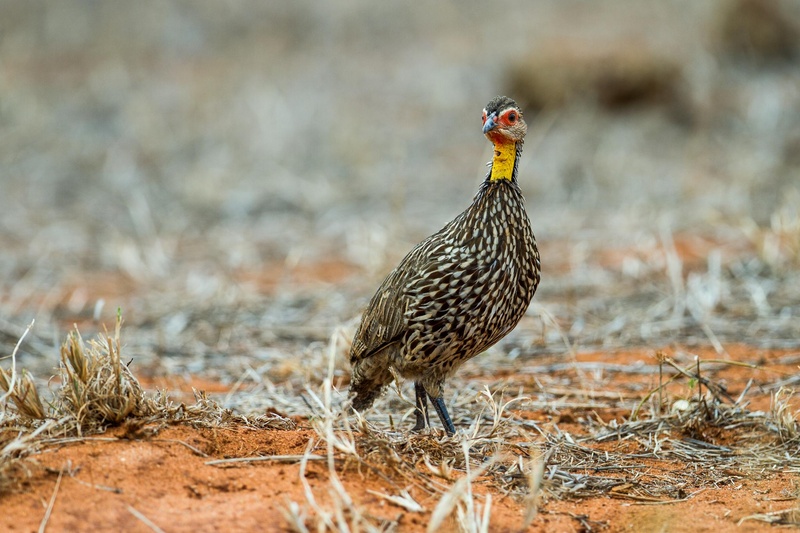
{"x":97,"y":390}
{"x":632,"y":459}
{"x":624,"y":458}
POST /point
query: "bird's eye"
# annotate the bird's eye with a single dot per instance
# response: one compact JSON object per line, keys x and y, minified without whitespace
{"x":512,"y":117}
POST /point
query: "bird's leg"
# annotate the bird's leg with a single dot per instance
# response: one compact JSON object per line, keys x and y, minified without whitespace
{"x":422,"y":407}
{"x":441,"y":410}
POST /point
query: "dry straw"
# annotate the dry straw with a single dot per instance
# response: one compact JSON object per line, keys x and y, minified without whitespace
{"x":430,"y":472}
{"x":97,"y":390}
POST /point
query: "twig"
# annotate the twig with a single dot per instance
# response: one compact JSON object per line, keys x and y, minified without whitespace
{"x":534,"y":478}
{"x":146,"y":521}
{"x":712,"y":338}
{"x":647,"y":501}
{"x":589,"y":366}
{"x":647,"y":396}
{"x":588,"y":393}
{"x":14,"y":331}
{"x":70,"y":440}
{"x":771,"y":518}
{"x":309,"y":494}
{"x":744,"y":391}
{"x":715,"y":391}
{"x":699,"y":381}
{"x":404,"y":500}
{"x":12,"y":382}
{"x":176,"y":441}
{"x":274,"y":458}
{"x":43,"y":524}
{"x":115,"y":490}
{"x":660,"y":356}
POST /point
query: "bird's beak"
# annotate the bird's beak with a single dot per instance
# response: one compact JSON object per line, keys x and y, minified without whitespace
{"x":490,"y":123}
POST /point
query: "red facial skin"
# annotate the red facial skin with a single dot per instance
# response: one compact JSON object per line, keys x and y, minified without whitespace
{"x":506,"y":119}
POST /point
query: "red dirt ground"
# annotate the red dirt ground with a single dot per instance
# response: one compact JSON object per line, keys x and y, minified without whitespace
{"x":118,"y":482}
{"x":109,"y":482}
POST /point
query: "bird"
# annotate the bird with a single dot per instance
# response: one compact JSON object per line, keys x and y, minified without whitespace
{"x":457,"y":292}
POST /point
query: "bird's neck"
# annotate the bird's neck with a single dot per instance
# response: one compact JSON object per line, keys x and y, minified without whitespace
{"x":504,"y":162}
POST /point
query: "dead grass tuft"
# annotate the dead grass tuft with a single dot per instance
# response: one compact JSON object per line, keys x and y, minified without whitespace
{"x":97,"y":388}
{"x":785,"y":421}
{"x":22,"y":391}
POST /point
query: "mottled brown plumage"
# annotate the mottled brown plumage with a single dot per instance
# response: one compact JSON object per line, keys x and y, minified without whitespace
{"x":457,"y":292}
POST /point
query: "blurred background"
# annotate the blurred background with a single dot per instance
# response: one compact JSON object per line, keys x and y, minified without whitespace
{"x":239,"y":176}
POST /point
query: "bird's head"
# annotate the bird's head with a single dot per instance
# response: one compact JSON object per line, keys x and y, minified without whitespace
{"x":503,"y":122}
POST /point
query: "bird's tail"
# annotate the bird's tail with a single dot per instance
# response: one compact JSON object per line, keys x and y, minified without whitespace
{"x":365,"y":394}
{"x":370,"y":378}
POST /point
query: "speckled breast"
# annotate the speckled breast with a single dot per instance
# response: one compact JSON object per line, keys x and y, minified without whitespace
{"x":485,"y":269}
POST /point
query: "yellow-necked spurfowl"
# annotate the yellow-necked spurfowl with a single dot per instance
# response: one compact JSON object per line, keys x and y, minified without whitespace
{"x":457,"y":292}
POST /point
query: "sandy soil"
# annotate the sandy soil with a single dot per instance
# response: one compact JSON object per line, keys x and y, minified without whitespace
{"x":121,"y":480}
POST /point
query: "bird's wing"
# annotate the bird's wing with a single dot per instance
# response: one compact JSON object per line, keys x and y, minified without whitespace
{"x":412,"y":285}
{"x":384,"y":320}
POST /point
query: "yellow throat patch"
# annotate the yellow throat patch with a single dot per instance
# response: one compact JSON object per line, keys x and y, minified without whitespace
{"x":503,"y":162}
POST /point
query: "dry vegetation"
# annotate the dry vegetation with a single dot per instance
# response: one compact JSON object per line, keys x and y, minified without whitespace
{"x":689,"y":418}
{"x":238,"y":178}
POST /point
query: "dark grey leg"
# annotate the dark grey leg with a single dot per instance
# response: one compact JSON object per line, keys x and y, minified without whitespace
{"x":422,"y":407}
{"x":441,"y":410}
